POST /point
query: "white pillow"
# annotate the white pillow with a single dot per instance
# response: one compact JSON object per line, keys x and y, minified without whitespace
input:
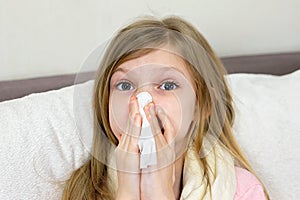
{"x":267,"y":128}
{"x":40,"y":144}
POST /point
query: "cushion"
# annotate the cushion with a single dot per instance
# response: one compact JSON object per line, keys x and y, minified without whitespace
{"x":41,"y":140}
{"x":39,"y":144}
{"x":268,"y":130}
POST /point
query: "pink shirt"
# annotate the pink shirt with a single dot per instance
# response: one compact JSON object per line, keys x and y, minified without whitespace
{"x":248,"y":187}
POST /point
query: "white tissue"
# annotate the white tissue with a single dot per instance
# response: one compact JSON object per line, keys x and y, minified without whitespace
{"x":146,"y":140}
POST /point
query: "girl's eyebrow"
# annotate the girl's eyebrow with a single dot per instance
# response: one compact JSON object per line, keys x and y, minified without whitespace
{"x":172,"y":68}
{"x":121,"y":69}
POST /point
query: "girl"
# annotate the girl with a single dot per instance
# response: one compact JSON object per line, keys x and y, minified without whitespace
{"x":192,"y":153}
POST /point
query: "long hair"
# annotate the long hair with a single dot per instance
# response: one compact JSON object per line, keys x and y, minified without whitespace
{"x":90,"y":181}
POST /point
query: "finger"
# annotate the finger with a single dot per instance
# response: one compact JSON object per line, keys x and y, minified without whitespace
{"x":167,"y":155}
{"x":152,"y":118}
{"x":127,"y":151}
{"x":155,"y":127}
{"x":133,"y":109}
{"x":129,"y":139}
{"x":132,"y":130}
{"x":165,"y":151}
{"x":169,"y":131}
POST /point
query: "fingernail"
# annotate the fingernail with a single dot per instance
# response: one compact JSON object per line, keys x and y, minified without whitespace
{"x":136,"y":118}
{"x":132,"y":98}
{"x":146,"y":107}
{"x":151,"y":106}
{"x":159,"y":109}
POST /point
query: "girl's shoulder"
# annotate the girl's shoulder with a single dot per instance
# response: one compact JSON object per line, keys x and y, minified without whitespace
{"x":247,"y":186}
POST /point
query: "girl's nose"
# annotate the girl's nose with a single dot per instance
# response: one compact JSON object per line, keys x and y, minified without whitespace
{"x":145,"y":95}
{"x":139,"y":92}
{"x":150,"y":89}
{"x":145,"y":88}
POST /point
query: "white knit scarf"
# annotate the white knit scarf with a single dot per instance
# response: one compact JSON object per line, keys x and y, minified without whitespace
{"x":222,"y":176}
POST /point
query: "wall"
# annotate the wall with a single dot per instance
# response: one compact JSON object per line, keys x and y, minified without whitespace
{"x":42,"y":38}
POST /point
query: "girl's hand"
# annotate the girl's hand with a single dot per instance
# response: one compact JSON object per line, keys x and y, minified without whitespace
{"x":157,"y":181}
{"x":127,"y":156}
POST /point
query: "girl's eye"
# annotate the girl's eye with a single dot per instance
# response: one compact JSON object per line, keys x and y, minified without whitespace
{"x":169,"y":85}
{"x":124,"y":86}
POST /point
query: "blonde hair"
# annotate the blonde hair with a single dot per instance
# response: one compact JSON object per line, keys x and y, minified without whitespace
{"x":90,"y":181}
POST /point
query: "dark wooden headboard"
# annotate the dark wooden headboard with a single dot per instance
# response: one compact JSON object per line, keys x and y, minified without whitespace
{"x":276,"y":64}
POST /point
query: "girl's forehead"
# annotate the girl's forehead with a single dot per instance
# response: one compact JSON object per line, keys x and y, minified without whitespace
{"x":158,"y":58}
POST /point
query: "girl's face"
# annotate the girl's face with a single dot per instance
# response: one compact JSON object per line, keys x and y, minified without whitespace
{"x":165,"y":76}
